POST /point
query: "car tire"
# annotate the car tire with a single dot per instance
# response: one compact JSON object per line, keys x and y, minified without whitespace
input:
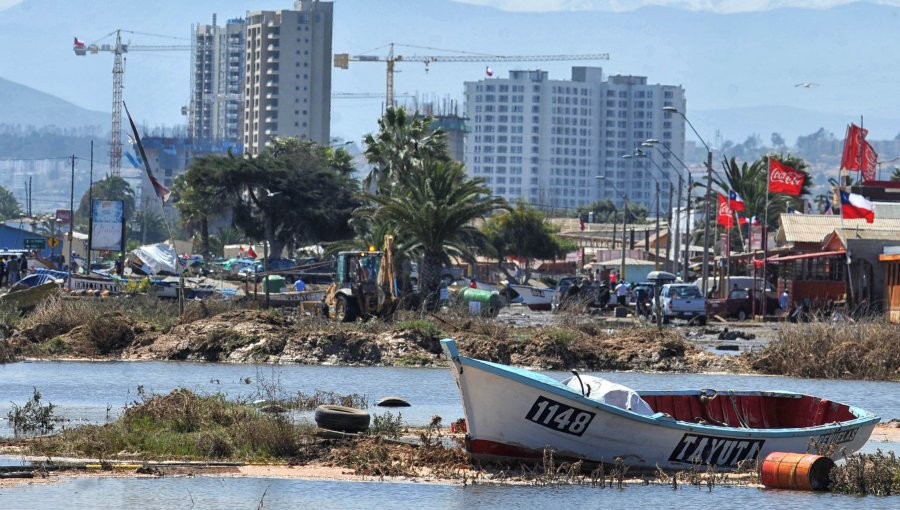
{"x":741,"y":315}
{"x":343,"y":419}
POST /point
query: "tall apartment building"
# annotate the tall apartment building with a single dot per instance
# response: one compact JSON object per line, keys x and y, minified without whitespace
{"x":559,"y":143}
{"x":217,"y":82}
{"x":287,"y":86}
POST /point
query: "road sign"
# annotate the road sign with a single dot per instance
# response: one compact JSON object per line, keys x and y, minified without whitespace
{"x":35,"y":244}
{"x":53,"y":242}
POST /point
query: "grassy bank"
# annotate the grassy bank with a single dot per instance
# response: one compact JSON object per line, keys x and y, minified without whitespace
{"x":827,"y":350}
{"x":185,"y":426}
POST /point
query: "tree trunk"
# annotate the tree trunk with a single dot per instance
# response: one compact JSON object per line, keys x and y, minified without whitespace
{"x":204,"y":237}
{"x":430,"y":278}
{"x":275,"y":247}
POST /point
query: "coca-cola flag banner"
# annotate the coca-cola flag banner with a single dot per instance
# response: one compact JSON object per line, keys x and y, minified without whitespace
{"x":724,"y":217}
{"x":869,"y":162}
{"x":784,"y":179}
{"x":852,"y":144}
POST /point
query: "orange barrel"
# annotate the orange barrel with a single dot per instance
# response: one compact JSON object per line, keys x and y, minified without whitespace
{"x":796,"y":471}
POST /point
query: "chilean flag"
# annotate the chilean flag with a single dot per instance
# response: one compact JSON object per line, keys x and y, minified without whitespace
{"x":855,"y":206}
{"x":754,"y":221}
{"x":735,"y":201}
{"x":78,"y":43}
{"x":741,"y":220}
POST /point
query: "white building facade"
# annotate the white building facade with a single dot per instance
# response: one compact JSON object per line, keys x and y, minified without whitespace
{"x":559,"y":144}
{"x":287,"y":85}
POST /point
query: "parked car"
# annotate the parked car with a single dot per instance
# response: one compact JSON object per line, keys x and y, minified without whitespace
{"x":448,"y":274}
{"x":273,"y":264}
{"x":682,"y":301}
{"x":739,"y":304}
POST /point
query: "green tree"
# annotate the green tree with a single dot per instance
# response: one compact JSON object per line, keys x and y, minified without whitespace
{"x":895,"y":175}
{"x":432,"y":209}
{"x":605,"y":211}
{"x":523,"y":233}
{"x":9,"y":206}
{"x":403,"y":143}
{"x":111,"y":187}
{"x":290,"y":195}
{"x":147,"y":227}
{"x":199,"y":193}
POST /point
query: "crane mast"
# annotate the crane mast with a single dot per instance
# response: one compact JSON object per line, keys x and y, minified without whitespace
{"x":115,"y":144}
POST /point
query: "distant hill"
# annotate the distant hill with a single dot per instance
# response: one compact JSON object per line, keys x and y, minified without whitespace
{"x":25,"y":106}
{"x":736,"y":124}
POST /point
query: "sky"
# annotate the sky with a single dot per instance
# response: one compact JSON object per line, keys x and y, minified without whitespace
{"x":737,"y":60}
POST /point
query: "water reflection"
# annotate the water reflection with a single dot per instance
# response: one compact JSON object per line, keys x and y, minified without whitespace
{"x":208,"y":493}
{"x":94,"y":392}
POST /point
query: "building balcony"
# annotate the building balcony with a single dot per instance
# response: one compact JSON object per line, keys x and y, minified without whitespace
{"x":272,"y":71}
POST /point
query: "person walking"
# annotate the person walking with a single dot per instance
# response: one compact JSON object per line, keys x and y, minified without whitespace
{"x":12,"y":271}
{"x":784,"y":301}
{"x":23,"y":265}
{"x":2,"y":271}
{"x":622,"y":293}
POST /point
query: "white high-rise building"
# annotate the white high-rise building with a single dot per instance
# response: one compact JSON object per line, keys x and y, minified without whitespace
{"x":560,"y":143}
{"x":217,"y":81}
{"x":287,"y":86}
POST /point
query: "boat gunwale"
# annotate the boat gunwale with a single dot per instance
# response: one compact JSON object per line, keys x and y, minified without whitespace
{"x":522,"y":376}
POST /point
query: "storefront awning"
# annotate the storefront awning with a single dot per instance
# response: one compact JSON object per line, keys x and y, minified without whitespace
{"x":816,"y":255}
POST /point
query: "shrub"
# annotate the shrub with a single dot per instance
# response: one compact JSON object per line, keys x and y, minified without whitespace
{"x":33,"y":416}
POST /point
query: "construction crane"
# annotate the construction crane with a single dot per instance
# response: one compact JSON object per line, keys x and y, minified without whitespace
{"x":342,"y":61}
{"x":119,"y":49}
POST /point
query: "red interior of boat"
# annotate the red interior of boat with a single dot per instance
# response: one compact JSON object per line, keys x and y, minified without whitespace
{"x":752,"y":411}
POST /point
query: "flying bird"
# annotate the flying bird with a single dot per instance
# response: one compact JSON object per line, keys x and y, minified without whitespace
{"x":271,"y":194}
{"x":807,"y":85}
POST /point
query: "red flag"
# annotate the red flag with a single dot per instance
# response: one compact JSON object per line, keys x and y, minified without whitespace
{"x":161,"y":191}
{"x":741,"y":220}
{"x":784,"y":179}
{"x":251,"y":253}
{"x":852,"y":144}
{"x":78,"y":43}
{"x":724,"y":217}
{"x":869,"y":162}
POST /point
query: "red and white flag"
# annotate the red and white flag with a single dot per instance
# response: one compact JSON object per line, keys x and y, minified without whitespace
{"x":784,"y":179}
{"x":78,"y":43}
{"x":251,"y":253}
{"x":869,"y":163}
{"x":488,"y":71}
{"x":741,"y":220}
{"x":855,"y":206}
{"x":725,"y":216}
{"x":852,"y":144}
{"x":735,"y":201}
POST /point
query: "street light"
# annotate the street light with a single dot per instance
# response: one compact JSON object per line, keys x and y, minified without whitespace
{"x":651,"y":142}
{"x":672,"y":109}
{"x":639,"y":154}
{"x":665,"y":176}
{"x":624,"y":224}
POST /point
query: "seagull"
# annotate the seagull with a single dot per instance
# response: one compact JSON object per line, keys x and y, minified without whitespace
{"x":271,"y":194}
{"x":807,"y":85}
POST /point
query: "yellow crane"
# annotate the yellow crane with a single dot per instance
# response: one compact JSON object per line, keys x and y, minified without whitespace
{"x":342,"y":61}
{"x":118,"y":49}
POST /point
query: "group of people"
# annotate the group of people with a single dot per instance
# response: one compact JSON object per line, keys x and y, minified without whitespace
{"x":12,"y":269}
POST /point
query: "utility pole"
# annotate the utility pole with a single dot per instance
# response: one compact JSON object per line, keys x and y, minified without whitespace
{"x":706,"y":223}
{"x":624,"y":224}
{"x":677,"y":266}
{"x":687,"y":229}
{"x":657,"y":226}
{"x":669,"y":230}
{"x":72,"y":224}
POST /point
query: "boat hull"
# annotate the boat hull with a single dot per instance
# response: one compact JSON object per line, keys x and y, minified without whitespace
{"x":514,"y":414}
{"x":533,"y":297}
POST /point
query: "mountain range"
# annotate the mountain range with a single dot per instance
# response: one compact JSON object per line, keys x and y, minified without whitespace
{"x":25,"y":106}
{"x":739,"y":69}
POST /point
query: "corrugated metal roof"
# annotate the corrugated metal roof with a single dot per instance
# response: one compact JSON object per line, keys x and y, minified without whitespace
{"x":887,"y":209}
{"x":813,"y":228}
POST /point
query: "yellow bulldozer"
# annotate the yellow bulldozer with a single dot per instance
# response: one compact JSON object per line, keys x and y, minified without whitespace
{"x":364,"y":285}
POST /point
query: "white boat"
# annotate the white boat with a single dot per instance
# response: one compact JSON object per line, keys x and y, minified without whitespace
{"x":533,"y":297}
{"x":514,"y":414}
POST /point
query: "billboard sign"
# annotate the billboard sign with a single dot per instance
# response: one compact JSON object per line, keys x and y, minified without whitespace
{"x":107,"y":224}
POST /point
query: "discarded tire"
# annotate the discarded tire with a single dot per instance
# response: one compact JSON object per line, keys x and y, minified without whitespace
{"x":344,"y":419}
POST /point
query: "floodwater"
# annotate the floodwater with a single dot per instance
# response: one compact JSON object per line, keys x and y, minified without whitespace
{"x":208,"y":493}
{"x":95,"y":392}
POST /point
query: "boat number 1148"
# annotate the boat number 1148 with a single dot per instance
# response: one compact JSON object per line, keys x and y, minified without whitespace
{"x":558,"y":416}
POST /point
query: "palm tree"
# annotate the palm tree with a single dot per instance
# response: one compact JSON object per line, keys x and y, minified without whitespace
{"x":111,"y":187}
{"x":403,"y":143}
{"x":432,"y":209}
{"x":749,"y":181}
